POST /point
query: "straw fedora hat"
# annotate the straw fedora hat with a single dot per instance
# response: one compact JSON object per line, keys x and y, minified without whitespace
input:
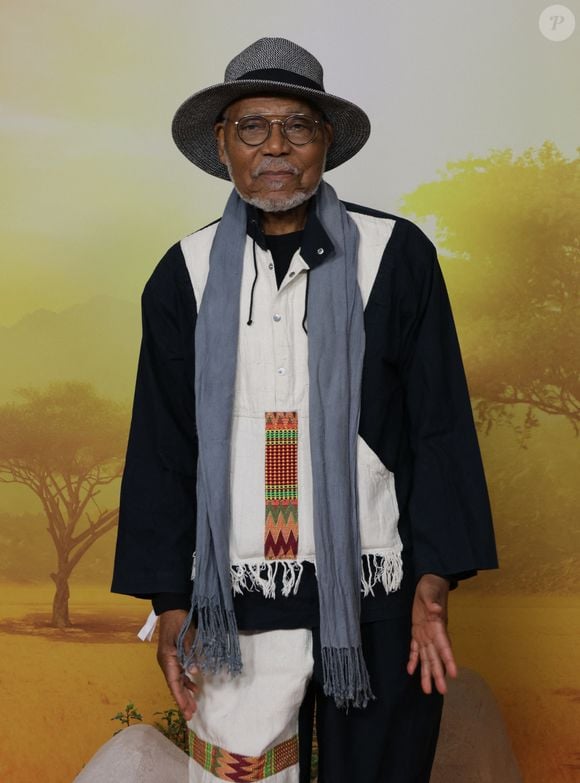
{"x":269,"y":65}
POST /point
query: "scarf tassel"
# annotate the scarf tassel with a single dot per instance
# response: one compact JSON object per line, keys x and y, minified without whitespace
{"x":216,"y":641}
{"x":378,"y":568}
{"x":248,"y":577}
{"x":345,"y":676}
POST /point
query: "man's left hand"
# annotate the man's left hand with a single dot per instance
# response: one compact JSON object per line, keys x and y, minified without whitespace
{"x":430,"y":642}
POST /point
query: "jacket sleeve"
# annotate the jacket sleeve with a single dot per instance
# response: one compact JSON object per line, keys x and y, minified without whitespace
{"x":451,"y":522}
{"x":157,"y":510}
{"x":162,"y":602}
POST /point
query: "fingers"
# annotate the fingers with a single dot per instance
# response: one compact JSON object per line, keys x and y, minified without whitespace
{"x":188,"y":640}
{"x":413,"y":656}
{"x":185,"y":700}
{"x":431,"y":646}
{"x":190,"y":685}
{"x":183,"y":689}
{"x":445,"y":654}
{"x":425,"y":671}
{"x":432,"y":668}
{"x":182,"y":686}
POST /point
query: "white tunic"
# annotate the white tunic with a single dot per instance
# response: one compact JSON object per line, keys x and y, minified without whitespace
{"x":272,"y":376}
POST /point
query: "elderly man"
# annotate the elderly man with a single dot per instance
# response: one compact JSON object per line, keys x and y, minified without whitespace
{"x":302,"y":448}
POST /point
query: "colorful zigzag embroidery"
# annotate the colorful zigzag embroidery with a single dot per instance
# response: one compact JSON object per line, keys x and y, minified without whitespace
{"x":281,"y":533}
{"x":236,"y":767}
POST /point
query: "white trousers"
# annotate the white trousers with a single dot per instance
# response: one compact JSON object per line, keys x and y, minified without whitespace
{"x":245,"y":727}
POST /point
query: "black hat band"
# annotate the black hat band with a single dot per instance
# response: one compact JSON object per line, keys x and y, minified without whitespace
{"x":281,"y":75}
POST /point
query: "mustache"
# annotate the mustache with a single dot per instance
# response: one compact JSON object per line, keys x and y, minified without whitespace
{"x":274,"y":166}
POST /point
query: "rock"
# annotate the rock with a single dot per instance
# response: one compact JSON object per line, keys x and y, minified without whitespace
{"x":138,"y":754}
{"x":473,"y":746}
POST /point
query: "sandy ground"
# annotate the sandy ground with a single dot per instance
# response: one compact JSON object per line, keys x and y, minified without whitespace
{"x":58,"y":696}
{"x":527,"y":649}
{"x":60,"y":689}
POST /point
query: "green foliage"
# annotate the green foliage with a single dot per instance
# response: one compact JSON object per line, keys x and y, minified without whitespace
{"x":172,"y":724}
{"x":174,"y":727}
{"x":126,"y":716}
{"x":508,"y":235}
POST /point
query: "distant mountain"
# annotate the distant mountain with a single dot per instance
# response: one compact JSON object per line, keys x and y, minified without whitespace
{"x":95,"y":341}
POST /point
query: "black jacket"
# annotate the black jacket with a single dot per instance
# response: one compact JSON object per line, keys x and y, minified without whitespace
{"x":415,"y":414}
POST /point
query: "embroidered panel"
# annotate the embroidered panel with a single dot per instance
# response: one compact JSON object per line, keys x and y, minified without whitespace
{"x":281,"y":533}
{"x":225,"y":765}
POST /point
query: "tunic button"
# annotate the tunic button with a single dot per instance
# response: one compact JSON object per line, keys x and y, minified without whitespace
{"x":277,"y":317}
{"x":270,"y":266}
{"x":320,"y":251}
{"x":291,"y":274}
{"x":281,"y":371}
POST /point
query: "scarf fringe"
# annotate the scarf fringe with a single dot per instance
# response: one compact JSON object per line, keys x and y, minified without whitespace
{"x":376,"y":568}
{"x":216,"y":642}
{"x":345,"y":676}
{"x":384,"y":568}
{"x":248,"y":577}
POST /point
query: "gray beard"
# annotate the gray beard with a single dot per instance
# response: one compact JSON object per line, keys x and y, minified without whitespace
{"x":275,"y":204}
{"x":279,"y":204}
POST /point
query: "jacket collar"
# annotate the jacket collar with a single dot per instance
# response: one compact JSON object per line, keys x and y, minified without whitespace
{"x":316,"y":244}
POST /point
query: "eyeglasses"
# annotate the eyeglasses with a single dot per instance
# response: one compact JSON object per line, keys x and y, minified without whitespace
{"x":299,"y":129}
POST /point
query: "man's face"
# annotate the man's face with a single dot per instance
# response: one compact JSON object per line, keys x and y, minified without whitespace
{"x":276,"y":175}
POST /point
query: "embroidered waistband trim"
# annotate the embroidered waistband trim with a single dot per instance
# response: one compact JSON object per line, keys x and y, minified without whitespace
{"x":225,"y":765}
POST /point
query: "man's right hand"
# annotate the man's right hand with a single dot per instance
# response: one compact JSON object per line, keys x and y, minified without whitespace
{"x":182,"y":688}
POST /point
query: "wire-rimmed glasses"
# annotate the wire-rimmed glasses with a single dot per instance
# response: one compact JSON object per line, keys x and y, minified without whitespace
{"x":299,"y":129}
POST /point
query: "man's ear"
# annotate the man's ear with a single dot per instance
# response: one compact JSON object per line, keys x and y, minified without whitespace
{"x":219,"y":130}
{"x":329,"y":130}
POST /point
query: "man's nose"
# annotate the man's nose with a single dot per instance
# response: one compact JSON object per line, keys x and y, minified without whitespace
{"x":276,"y":143}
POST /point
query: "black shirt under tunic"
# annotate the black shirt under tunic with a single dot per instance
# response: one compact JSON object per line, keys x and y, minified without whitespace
{"x":256,"y":612}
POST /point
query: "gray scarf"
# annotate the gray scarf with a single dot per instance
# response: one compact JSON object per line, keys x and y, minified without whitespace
{"x":335,"y":356}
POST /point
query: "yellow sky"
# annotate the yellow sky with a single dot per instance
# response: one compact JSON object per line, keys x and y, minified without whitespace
{"x":95,"y":191}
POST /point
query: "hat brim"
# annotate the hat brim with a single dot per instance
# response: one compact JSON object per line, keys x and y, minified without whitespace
{"x":193,"y":133}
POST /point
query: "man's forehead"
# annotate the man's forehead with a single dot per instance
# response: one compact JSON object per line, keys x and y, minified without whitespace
{"x":269,"y":104}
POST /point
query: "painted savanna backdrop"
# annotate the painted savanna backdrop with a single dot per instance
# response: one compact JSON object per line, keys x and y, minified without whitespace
{"x":475,"y":137}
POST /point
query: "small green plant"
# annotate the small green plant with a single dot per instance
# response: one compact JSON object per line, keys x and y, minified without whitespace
{"x":172,"y":724}
{"x":126,"y":716}
{"x":174,"y":727}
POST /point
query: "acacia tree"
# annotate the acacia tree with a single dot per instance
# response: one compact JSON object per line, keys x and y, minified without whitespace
{"x":65,"y":443}
{"x":508,"y":236}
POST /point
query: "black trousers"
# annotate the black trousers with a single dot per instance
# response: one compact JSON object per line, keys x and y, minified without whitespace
{"x":393,"y":739}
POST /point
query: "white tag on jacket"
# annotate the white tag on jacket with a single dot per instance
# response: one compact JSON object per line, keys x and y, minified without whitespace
{"x":146,"y":633}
